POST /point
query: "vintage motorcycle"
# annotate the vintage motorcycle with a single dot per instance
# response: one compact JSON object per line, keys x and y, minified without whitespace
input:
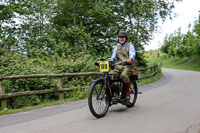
{"x":108,"y":89}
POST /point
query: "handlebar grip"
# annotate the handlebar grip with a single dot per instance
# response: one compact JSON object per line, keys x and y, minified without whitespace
{"x":96,"y":63}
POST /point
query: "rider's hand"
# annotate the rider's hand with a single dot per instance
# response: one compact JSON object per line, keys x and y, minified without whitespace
{"x":130,"y":61}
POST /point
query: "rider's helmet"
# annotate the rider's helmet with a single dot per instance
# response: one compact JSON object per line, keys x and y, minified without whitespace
{"x":123,"y":34}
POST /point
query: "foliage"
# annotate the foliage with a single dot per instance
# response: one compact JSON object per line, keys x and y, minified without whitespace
{"x":18,"y":64}
{"x":183,"y":45}
{"x":4,"y":51}
{"x":68,"y":26}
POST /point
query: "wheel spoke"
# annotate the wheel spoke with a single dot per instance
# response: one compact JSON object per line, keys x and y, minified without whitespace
{"x":99,"y":100}
{"x":133,"y":95}
{"x":99,"y":106}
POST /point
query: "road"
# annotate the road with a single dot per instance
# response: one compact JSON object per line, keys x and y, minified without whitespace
{"x":170,"y":105}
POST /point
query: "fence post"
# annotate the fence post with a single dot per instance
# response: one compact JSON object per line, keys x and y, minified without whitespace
{"x":156,"y":68}
{"x":61,"y":95}
{"x":139,"y":74}
{"x":147,"y":72}
{"x":2,"y":91}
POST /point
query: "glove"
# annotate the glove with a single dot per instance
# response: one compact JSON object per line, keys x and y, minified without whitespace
{"x":130,"y":61}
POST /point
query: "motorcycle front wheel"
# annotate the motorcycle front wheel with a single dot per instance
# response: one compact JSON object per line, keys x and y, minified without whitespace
{"x":98,"y":99}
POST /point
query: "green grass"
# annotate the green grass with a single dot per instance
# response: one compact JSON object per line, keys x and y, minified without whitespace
{"x":10,"y":111}
{"x":77,"y":96}
{"x":156,"y":57}
{"x":152,"y":79}
{"x":69,"y":96}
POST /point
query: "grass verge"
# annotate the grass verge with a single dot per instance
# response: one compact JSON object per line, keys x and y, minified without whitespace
{"x":151,"y":79}
{"x":10,"y":111}
{"x":156,"y":57}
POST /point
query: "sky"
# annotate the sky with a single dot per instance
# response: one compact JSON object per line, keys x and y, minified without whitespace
{"x":187,"y":12}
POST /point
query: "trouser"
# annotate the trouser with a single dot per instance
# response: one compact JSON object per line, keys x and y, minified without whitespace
{"x":125,"y":72}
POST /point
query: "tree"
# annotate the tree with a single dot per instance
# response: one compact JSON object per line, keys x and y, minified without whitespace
{"x":197,"y":32}
{"x":178,"y":43}
{"x":165,"y":46}
{"x":95,"y":18}
{"x":24,"y":27}
{"x":189,"y":42}
{"x":6,"y":15}
{"x":77,"y":25}
{"x":104,"y":19}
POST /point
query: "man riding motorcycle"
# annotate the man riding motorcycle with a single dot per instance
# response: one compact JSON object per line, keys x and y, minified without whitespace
{"x":124,"y":52}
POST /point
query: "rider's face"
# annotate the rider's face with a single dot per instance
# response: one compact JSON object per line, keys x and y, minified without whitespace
{"x":122,"y":39}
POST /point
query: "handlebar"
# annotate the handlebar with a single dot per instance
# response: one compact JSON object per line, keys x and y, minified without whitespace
{"x":119,"y":63}
{"x":113,"y":64}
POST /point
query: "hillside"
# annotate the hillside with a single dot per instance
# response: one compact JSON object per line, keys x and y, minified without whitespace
{"x":157,"y":57}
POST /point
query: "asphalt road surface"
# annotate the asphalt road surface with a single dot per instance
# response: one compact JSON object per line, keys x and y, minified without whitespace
{"x":170,"y":105}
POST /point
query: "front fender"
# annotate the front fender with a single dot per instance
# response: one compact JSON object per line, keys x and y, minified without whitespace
{"x":97,"y":80}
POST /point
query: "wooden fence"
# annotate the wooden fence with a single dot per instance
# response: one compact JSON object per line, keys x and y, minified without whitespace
{"x":143,"y":73}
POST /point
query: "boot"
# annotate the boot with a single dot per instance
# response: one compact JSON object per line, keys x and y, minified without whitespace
{"x":126,"y":87}
{"x":127,"y":91}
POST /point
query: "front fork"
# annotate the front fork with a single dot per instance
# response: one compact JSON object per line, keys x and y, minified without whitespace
{"x":107,"y":86}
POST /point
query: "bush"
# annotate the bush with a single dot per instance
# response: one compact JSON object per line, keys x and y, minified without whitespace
{"x":19,"y":64}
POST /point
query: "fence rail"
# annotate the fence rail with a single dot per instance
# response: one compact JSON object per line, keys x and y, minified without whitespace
{"x":143,"y":73}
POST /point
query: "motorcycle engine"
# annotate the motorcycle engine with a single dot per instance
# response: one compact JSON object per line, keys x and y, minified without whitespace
{"x":116,"y":87}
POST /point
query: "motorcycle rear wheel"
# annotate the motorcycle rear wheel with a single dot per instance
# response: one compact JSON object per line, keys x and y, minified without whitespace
{"x":133,"y":94}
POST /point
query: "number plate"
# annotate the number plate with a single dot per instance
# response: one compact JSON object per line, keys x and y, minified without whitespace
{"x":104,"y":66}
